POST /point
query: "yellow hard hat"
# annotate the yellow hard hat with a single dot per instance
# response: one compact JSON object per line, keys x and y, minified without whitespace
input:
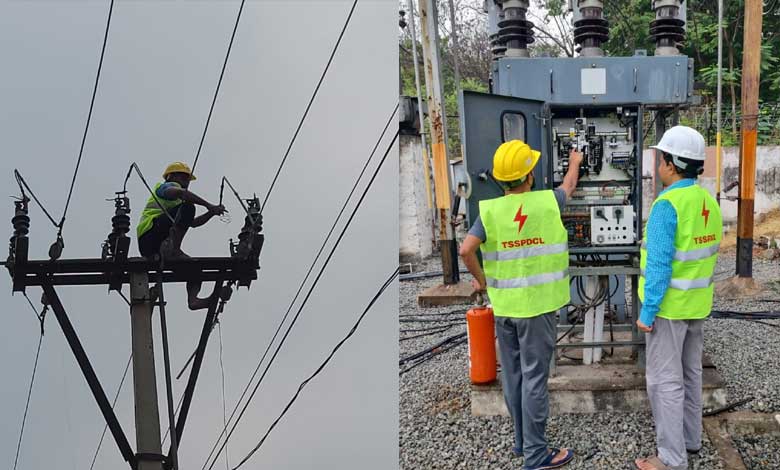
{"x":513,"y":160}
{"x":179,"y":167}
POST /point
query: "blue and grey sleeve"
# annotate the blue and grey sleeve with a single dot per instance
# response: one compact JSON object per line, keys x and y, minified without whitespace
{"x":164,"y":187}
{"x":661,"y":230}
{"x":478,"y":230}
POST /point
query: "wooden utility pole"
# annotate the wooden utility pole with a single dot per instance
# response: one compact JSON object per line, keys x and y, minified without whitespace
{"x":441,"y":174}
{"x":751,"y":70}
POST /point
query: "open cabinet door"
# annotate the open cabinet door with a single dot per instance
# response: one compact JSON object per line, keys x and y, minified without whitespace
{"x":486,"y":122}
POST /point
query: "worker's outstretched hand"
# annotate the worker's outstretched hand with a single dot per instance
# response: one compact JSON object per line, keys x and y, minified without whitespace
{"x":643,"y":327}
{"x":217,"y":210}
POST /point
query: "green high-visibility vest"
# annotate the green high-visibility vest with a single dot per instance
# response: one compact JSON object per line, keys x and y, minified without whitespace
{"x":696,"y":244}
{"x":525,"y":255}
{"x":154,"y":208}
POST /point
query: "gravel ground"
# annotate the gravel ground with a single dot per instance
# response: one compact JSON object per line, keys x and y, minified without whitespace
{"x":754,"y":451}
{"x":437,"y":430}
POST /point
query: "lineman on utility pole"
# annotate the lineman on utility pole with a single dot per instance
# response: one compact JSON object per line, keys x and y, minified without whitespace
{"x":526,"y":257}
{"x":167,"y":216}
{"x":678,"y":257}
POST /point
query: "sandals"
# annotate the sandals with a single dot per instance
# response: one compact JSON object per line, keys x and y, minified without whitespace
{"x":654,"y":461}
{"x":547,"y":463}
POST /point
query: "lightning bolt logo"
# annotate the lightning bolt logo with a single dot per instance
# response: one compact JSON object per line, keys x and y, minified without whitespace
{"x":705,"y":213}
{"x":520,"y":219}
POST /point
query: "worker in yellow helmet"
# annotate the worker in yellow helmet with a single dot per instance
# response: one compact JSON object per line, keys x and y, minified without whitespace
{"x":159,"y":235}
{"x":526,"y":259}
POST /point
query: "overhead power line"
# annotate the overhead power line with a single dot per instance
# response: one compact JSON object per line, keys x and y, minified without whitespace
{"x":308,"y":273}
{"x":89,"y":117}
{"x":303,"y":303}
{"x":219,"y":84}
{"x":308,"y":107}
{"x":320,"y":368}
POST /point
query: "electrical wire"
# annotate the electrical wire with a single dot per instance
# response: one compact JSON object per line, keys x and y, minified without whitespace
{"x":321,"y":367}
{"x":22,"y":185}
{"x":41,"y":319}
{"x":116,"y":395}
{"x":308,"y":273}
{"x":113,"y":404}
{"x":89,"y":118}
{"x":303,"y":303}
{"x":311,"y":101}
{"x":224,"y":408}
{"x":134,"y":166}
{"x":219,"y":84}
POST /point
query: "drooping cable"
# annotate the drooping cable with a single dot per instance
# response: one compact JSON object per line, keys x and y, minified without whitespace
{"x":303,"y":303}
{"x":134,"y":166}
{"x":22,"y":186}
{"x":113,"y":405}
{"x":89,"y":117}
{"x":219,"y":84}
{"x":320,"y":368}
{"x":41,"y":319}
{"x":311,"y":101}
{"x":224,"y":407}
{"x":116,"y":395}
{"x":308,"y":273}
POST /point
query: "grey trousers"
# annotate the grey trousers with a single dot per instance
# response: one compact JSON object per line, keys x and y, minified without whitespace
{"x":673,"y":373}
{"x":525,"y":347}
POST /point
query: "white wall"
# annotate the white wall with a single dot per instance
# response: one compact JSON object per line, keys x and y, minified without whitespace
{"x":416,"y":238}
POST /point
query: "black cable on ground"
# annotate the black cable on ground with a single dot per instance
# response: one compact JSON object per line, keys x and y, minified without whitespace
{"x":444,"y":342}
{"x":219,"y":84}
{"x":437,"y":352}
{"x":303,"y":303}
{"x":321,"y":367}
{"x":311,"y":268}
{"x":460,"y":311}
{"x":311,"y":101}
{"x":89,"y":117}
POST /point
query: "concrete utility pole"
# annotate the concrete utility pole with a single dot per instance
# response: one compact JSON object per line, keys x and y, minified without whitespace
{"x":147,"y":414}
{"x":429,"y":28}
{"x":751,"y":70}
{"x":426,"y":160}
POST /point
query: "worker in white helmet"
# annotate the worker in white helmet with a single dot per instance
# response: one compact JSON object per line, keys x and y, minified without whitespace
{"x":678,"y":256}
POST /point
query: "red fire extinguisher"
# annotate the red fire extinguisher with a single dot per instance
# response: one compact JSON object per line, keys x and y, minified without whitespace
{"x":480,"y":327}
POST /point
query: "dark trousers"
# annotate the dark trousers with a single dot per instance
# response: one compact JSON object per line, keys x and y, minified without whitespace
{"x":149,"y":243}
{"x":526,"y":347}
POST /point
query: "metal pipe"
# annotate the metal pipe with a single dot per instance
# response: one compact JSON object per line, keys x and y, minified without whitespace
{"x":718,"y":149}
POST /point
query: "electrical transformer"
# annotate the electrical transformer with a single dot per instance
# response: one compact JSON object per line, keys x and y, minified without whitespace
{"x":593,"y":104}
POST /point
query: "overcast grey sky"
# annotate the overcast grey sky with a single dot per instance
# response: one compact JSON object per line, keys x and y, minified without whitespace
{"x":161,"y":66}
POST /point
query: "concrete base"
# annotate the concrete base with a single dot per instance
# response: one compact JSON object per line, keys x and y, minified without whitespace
{"x":455,"y":294}
{"x":737,"y":288}
{"x":594,"y":388}
{"x":721,"y":428}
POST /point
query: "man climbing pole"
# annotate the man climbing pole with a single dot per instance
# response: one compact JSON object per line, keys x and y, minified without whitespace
{"x":167,"y":216}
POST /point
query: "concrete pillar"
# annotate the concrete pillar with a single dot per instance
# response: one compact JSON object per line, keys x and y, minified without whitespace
{"x":147,"y":415}
{"x":416,"y":235}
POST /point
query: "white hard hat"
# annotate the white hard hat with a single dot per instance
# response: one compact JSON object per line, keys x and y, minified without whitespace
{"x":683,"y":142}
